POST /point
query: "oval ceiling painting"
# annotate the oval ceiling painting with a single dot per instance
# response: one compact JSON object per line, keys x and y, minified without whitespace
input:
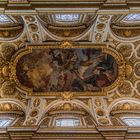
{"x":60,"y":70}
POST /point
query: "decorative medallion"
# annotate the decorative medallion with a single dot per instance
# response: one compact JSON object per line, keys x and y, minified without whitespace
{"x":1,"y":80}
{"x":7,"y":50}
{"x":100,"y":112}
{"x":36,"y":102}
{"x":33,"y":28}
{"x":35,"y":37}
{"x":2,"y":61}
{"x":8,"y":89}
{"x":98,"y":37}
{"x":125,"y":88}
{"x":34,"y":113}
{"x":101,"y":26}
{"x":103,"y":121}
{"x":31,"y":122}
{"x":98,"y":102}
{"x":125,"y":49}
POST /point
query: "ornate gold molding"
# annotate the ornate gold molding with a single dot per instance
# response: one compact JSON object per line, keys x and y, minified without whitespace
{"x":67,"y":45}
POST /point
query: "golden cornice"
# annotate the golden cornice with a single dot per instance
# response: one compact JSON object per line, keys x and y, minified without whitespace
{"x":99,"y":6}
{"x":65,"y":113}
{"x":100,"y":132}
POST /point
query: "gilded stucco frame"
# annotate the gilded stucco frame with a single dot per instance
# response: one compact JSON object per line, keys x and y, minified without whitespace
{"x":65,"y":45}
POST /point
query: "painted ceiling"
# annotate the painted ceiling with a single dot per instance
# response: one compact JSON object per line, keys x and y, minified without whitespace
{"x":72,"y":71}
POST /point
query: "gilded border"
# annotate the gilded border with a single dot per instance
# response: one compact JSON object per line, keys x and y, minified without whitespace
{"x":66,"y":45}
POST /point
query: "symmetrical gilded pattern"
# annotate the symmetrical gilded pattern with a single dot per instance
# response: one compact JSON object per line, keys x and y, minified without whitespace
{"x":97,"y":111}
{"x":66,"y":45}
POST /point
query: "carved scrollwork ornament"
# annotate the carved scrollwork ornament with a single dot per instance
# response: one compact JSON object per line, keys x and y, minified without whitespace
{"x":6,"y":107}
{"x":103,"y":121}
{"x":12,"y":74}
{"x":2,"y":79}
{"x":66,"y":45}
{"x":138,"y":87}
{"x":98,"y":102}
{"x":67,"y":107}
{"x":6,"y":71}
{"x":7,"y":50}
{"x":2,"y":61}
{"x":125,"y":49}
{"x":35,"y":37}
{"x":129,"y":70}
{"x":101,"y":26}
{"x":100,"y":112}
{"x":98,"y":37}
{"x":125,"y":88}
{"x":10,"y":107}
{"x":67,"y":96}
{"x":30,"y":18}
{"x":8,"y":89}
{"x":133,"y":59}
{"x":33,"y":27}
{"x":137,"y":69}
{"x":31,"y":122}
{"x":125,"y":32}
{"x":126,"y":107}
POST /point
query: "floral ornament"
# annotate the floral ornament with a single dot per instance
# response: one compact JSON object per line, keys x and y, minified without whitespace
{"x":7,"y":50}
{"x":126,"y":50}
{"x":125,"y":89}
{"x":8,"y":89}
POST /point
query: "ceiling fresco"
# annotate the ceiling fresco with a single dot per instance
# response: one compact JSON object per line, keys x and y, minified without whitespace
{"x":66,"y":70}
{"x":54,"y":69}
{"x":70,"y":73}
